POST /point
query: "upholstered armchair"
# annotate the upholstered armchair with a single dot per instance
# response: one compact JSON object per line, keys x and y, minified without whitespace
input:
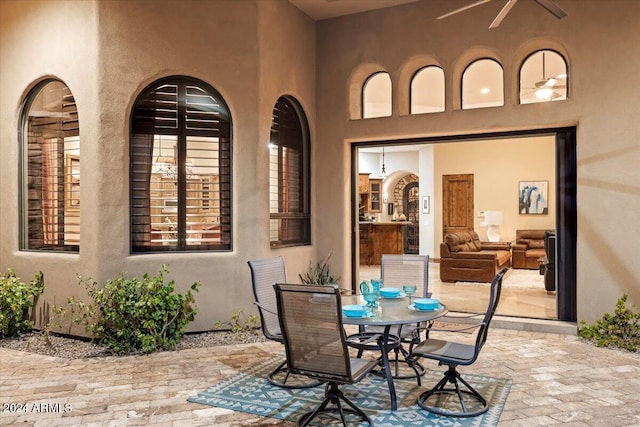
{"x":464,"y":258}
{"x":528,"y":249}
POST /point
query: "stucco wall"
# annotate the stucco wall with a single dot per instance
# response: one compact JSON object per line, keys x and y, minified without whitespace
{"x":599,"y":41}
{"x":108,"y":52}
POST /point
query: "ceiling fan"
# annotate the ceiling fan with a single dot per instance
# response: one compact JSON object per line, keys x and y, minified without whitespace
{"x":551,"y":6}
{"x":548,"y":86}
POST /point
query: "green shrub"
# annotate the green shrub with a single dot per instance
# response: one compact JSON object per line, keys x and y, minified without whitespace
{"x":137,"y":315}
{"x":15,"y":299}
{"x":240,"y":324}
{"x":620,"y":329}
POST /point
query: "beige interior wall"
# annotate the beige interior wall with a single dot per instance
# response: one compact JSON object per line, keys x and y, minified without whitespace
{"x":498,"y":166}
{"x":108,"y":52}
{"x":598,"y":39}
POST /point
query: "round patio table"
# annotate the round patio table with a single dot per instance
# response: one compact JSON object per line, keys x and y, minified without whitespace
{"x":391,"y":312}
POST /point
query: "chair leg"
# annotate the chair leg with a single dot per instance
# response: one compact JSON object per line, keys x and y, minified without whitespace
{"x":335,"y":396}
{"x":282,"y":369}
{"x":477,"y":403}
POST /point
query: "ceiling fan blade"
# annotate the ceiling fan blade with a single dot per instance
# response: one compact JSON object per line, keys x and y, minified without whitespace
{"x":553,"y":8}
{"x":469,"y":6}
{"x":507,"y":7}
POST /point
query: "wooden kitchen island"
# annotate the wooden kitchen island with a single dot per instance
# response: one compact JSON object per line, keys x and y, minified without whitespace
{"x":377,"y":238}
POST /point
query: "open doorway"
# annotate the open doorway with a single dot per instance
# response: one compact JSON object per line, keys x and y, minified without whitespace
{"x":523,"y":297}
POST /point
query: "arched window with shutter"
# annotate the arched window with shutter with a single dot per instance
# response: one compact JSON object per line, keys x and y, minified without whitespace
{"x":181,"y":168}
{"x":289,"y":205}
{"x":50,"y":169}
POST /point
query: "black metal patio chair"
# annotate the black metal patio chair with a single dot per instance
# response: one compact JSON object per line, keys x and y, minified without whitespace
{"x":456,"y":401}
{"x":315,"y":342}
{"x":264,"y":274}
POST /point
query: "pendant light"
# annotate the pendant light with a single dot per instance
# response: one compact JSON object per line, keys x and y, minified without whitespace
{"x":383,"y":172}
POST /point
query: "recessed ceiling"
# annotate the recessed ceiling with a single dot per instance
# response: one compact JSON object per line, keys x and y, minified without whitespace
{"x":324,"y":9}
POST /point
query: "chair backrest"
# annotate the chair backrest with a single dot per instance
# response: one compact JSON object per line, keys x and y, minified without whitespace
{"x":550,"y":246}
{"x":314,"y":338}
{"x":264,"y":274}
{"x":494,"y":299}
{"x":398,"y":270}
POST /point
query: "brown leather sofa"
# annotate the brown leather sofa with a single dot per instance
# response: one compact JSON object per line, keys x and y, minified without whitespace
{"x":528,"y":249}
{"x":464,"y":258}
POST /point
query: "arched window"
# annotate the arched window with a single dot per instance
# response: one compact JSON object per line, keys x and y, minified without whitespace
{"x":482,"y":85}
{"x":289,"y":204}
{"x":543,"y":77}
{"x":180,"y":168}
{"x":376,"y":96}
{"x":50,"y":168}
{"x":427,"y":90}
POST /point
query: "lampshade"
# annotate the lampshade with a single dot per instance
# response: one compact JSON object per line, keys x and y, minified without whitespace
{"x":492,"y":218}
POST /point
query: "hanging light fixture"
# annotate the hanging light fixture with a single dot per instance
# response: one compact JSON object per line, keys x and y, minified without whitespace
{"x":383,"y":172}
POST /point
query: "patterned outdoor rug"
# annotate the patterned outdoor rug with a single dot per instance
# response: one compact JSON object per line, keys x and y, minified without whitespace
{"x":250,"y":392}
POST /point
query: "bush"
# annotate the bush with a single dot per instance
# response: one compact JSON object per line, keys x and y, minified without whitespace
{"x":622,"y":329}
{"x":137,"y":315}
{"x":15,"y":299}
{"x":240,"y":324}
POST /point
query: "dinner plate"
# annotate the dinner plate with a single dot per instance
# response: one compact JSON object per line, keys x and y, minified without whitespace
{"x":400,"y":295}
{"x":364,"y":316}
{"x":413,"y":308}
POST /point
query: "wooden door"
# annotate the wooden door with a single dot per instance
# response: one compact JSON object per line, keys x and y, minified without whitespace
{"x":457,"y":203}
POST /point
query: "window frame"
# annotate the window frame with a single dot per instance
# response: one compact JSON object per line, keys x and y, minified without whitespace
{"x":566,"y":72}
{"x":462,"y":84}
{"x":411,"y":89}
{"x":304,"y":199}
{"x":363,"y":95}
{"x":62,"y":169}
{"x":182,"y":133}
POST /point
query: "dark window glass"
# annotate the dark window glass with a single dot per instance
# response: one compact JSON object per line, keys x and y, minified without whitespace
{"x":289,"y":175}
{"x":180,"y":168}
{"x":50,"y":170}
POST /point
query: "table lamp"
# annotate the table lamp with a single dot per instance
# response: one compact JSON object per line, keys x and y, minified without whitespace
{"x":493,"y":221}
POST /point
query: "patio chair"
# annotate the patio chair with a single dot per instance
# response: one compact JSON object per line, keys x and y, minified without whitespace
{"x":264,"y":273}
{"x":452,"y":354}
{"x":315,"y":342}
{"x":395,"y":271}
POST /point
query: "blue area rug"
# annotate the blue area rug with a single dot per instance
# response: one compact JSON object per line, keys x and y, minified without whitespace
{"x":251,"y":392}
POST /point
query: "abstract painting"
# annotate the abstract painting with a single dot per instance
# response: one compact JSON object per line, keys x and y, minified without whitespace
{"x":533,"y":197}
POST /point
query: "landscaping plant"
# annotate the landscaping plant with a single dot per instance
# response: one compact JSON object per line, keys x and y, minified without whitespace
{"x":137,"y":315}
{"x":15,"y":299}
{"x":620,"y":329}
{"x":240,"y":324}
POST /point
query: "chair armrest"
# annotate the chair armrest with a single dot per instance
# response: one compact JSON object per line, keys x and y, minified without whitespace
{"x":495,"y":246}
{"x":519,"y":247}
{"x":264,"y":308}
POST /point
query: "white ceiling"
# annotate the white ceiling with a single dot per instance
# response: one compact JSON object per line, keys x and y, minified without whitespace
{"x":324,"y":9}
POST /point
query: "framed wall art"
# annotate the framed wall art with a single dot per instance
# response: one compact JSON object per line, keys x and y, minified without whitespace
{"x":533,"y":197}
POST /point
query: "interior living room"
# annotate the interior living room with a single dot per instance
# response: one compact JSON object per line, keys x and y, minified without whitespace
{"x":418,"y":219}
{"x":123,"y":70}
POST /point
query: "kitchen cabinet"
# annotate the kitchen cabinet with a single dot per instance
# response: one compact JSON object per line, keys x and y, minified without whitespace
{"x":375,"y":195}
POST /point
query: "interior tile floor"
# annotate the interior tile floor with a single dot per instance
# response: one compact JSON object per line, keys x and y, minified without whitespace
{"x":529,"y":302}
{"x":558,"y":380}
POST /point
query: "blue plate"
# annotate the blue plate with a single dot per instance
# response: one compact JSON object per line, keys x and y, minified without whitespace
{"x":401,"y":295}
{"x":355,"y":310}
{"x":414,"y":308}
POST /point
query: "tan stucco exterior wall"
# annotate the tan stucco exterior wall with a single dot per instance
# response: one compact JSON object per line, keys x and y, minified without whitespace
{"x":107,"y":52}
{"x":600,"y":42}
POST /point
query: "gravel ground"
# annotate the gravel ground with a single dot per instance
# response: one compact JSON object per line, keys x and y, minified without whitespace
{"x":72,"y":348}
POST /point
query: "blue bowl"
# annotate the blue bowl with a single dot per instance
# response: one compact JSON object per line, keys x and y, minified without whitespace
{"x":426,"y":303}
{"x":354,"y":310}
{"x":389,"y":292}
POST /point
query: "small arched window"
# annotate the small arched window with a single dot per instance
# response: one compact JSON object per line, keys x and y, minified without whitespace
{"x":180,"y":168}
{"x":482,"y":85}
{"x":427,"y":90}
{"x":50,"y":168}
{"x":289,"y":203}
{"x":376,"y":96}
{"x":543,"y":77}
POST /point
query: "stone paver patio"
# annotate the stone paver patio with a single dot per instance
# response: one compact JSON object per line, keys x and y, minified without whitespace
{"x":557,"y":380}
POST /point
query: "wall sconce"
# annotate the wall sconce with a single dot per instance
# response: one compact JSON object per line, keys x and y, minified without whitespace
{"x":493,"y":221}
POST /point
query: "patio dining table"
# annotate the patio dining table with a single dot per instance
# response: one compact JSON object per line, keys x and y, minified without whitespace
{"x":391,"y":312}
